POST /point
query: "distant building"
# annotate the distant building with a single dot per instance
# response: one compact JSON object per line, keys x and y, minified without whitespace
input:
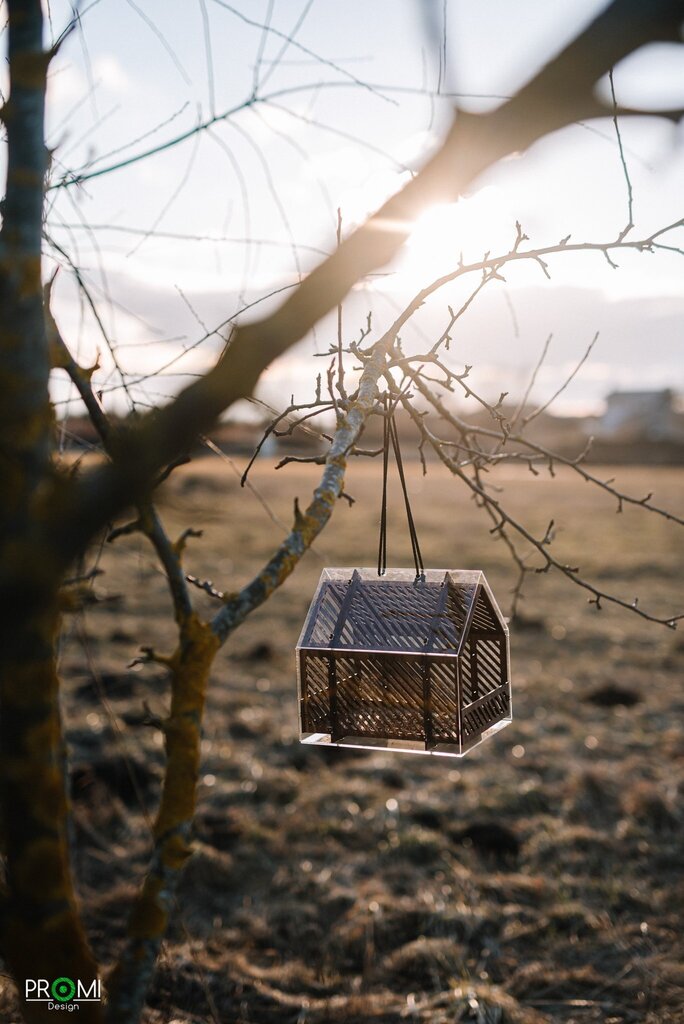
{"x":640,"y":416}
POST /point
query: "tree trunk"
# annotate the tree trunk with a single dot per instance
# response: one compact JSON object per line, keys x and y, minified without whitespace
{"x":41,"y":934}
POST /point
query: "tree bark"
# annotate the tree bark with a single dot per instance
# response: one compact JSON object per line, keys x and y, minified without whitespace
{"x":40,"y":929}
{"x":190,"y":666}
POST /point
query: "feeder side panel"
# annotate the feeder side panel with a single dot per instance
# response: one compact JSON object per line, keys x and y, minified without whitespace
{"x":474,"y":671}
{"x":459,"y":700}
{"x":485,"y":619}
{"x":314,"y":699}
{"x":444,"y":699}
{"x":468,"y":683}
{"x":427,"y":705}
{"x":506,"y":661}
{"x":379,"y":695}
{"x":484,"y":713}
{"x":490,"y":665}
{"x":336,"y":733}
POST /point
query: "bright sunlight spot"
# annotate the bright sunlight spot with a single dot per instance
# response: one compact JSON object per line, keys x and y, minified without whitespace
{"x":474,"y":225}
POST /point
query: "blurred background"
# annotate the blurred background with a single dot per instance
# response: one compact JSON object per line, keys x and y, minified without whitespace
{"x":260,"y":121}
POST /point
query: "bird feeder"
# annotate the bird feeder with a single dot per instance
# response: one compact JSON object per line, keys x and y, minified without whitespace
{"x":403,"y":663}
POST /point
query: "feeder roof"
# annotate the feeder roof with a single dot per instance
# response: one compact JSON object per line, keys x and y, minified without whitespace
{"x":355,"y":609}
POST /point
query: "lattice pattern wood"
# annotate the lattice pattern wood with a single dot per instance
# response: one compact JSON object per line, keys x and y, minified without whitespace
{"x":402,"y":663}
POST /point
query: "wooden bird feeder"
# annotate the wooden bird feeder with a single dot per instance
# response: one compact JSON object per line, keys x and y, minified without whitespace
{"x":394,"y":662}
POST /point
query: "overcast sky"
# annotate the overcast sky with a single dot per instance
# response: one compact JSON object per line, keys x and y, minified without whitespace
{"x":346,"y":120}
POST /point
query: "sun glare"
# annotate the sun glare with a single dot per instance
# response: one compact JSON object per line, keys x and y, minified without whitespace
{"x":472,"y":226}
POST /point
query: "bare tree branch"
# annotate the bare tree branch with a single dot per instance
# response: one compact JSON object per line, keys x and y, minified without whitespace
{"x":561,"y":93}
{"x":309,"y":524}
{"x":501,"y":516}
{"x":578,"y":366}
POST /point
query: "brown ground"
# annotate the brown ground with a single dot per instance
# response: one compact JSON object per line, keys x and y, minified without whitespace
{"x":538,"y":879}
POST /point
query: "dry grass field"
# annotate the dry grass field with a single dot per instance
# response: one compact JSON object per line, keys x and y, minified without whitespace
{"x":537,"y":879}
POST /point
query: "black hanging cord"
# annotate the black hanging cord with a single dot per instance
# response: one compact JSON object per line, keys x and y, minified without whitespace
{"x":417,"y":557}
{"x":382,"y":549}
{"x":390,"y":434}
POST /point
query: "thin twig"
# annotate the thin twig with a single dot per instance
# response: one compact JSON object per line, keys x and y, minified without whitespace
{"x":523,"y":401}
{"x":542,"y":408}
{"x":630,"y":196}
